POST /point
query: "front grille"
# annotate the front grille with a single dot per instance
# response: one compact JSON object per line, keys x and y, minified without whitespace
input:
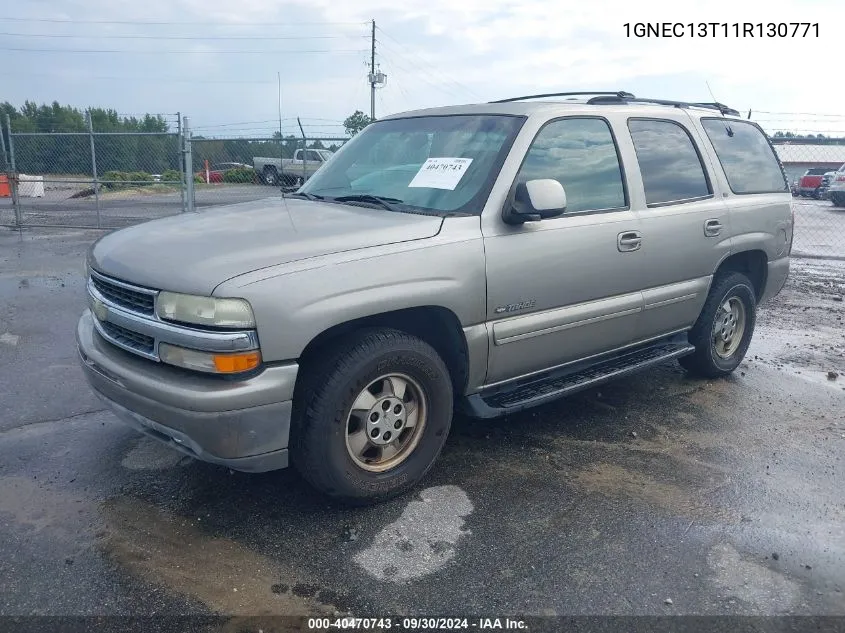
{"x":140,"y":342}
{"x":134,"y":300}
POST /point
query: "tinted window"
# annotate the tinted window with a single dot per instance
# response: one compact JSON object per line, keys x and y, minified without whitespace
{"x":746,"y":156}
{"x":581,"y":155}
{"x":669,"y":162}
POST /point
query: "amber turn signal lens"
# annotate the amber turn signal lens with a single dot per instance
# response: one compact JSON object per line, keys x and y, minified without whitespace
{"x":233,"y":363}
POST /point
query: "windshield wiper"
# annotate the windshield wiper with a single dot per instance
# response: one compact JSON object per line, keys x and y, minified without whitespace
{"x":302,"y":194}
{"x":386,"y":203}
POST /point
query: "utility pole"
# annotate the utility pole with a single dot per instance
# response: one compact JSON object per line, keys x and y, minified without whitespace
{"x":373,"y":73}
{"x":377,"y":78}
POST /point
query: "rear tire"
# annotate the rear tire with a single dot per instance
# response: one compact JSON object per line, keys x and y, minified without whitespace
{"x":270,"y":176}
{"x":723,"y":331}
{"x":838,"y":199}
{"x":366,"y":384}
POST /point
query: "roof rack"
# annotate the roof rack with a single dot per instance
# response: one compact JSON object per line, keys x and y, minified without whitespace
{"x":624,"y":97}
{"x":618,"y":94}
{"x":722,"y":108}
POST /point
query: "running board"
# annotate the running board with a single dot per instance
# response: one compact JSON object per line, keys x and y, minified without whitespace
{"x":537,"y":390}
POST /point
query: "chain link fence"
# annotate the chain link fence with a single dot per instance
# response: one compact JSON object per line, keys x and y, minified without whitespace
{"x":90,"y":179}
{"x":232,"y":170}
{"x":102,"y":179}
{"x":815,"y":169}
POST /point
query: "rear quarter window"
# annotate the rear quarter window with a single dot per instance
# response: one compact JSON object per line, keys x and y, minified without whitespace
{"x":747,"y":158}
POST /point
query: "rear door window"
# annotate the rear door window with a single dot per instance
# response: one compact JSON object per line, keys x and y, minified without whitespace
{"x":748,"y":159}
{"x":669,"y":162}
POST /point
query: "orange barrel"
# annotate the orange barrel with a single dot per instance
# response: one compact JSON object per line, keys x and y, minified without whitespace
{"x":5,"y":189}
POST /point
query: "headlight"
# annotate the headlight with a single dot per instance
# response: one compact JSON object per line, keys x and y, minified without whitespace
{"x":208,"y":361}
{"x":204,"y":310}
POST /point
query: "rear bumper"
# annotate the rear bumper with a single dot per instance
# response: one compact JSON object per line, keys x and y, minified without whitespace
{"x":776,"y":278}
{"x":243,"y":425}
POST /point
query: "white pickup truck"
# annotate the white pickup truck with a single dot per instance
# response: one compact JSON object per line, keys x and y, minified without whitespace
{"x":291,"y":171}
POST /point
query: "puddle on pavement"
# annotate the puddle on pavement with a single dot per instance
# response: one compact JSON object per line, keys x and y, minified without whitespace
{"x":422,"y":540}
{"x":765,"y":590}
{"x":228,"y":578}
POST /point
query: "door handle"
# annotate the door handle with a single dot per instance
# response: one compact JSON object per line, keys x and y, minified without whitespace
{"x":712,"y":228}
{"x":629,"y":241}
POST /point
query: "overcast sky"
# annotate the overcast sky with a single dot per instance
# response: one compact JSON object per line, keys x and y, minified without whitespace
{"x":217,"y":60}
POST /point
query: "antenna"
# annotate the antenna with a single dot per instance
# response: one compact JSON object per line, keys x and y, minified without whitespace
{"x":707,"y":83}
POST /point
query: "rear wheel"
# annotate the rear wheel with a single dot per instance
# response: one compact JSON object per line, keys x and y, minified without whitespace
{"x":838,"y":199}
{"x":270,"y":176}
{"x":372,"y":416}
{"x":723,"y":331}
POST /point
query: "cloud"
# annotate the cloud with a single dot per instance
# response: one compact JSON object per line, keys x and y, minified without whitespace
{"x":434,"y":52}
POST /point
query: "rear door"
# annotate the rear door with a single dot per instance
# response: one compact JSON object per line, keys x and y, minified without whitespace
{"x":753,"y":186}
{"x":685,"y":224}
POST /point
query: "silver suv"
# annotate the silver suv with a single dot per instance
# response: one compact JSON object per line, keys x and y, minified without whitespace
{"x":488,"y":257}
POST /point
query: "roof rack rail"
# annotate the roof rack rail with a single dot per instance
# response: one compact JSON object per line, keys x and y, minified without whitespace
{"x":722,"y":108}
{"x":620,"y":94}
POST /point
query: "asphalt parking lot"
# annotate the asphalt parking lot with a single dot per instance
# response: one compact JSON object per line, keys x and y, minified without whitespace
{"x":657,"y":494}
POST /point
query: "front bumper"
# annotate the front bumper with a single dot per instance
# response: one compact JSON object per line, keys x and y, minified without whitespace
{"x":241,"y":424}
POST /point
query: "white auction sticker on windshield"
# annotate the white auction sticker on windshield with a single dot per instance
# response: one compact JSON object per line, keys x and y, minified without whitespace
{"x":441,"y":173}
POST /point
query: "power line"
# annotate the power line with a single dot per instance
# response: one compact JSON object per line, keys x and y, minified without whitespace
{"x":800,"y":113}
{"x":429,"y":64}
{"x":154,"y":23}
{"x":168,"y":52}
{"x":434,"y":84}
{"x":130,"y":78}
{"x":188,"y":37}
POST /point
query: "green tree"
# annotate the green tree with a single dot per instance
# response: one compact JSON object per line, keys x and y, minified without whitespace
{"x":356,"y":122}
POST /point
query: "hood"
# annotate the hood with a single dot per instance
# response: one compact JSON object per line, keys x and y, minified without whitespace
{"x":194,"y":253}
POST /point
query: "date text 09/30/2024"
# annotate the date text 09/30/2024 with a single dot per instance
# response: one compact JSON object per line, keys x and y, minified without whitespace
{"x":416,"y":624}
{"x":721,"y":29}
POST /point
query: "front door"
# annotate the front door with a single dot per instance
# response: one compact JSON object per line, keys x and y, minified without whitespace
{"x":565,"y":288}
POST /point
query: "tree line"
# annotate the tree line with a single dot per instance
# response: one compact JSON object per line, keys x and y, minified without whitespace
{"x":146,"y":143}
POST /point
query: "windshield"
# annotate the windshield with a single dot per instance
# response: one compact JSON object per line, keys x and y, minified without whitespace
{"x":437,"y":163}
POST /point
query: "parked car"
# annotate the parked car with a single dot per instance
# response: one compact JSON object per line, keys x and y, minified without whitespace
{"x":810,"y":182}
{"x":836,"y":191}
{"x":531,"y":250}
{"x":291,"y":172}
{"x":822,"y":191}
{"x":216,"y":172}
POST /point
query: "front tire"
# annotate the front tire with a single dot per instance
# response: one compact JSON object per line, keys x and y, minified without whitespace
{"x":371,"y":416}
{"x":723,"y":331}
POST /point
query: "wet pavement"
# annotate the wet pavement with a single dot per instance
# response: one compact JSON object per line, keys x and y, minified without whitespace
{"x":657,"y":494}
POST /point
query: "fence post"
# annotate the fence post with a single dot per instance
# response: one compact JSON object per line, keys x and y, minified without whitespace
{"x":3,"y":150}
{"x":189,"y":165}
{"x":13,"y":175}
{"x":94,"y":167}
{"x":180,"y":143}
{"x":304,"y":147}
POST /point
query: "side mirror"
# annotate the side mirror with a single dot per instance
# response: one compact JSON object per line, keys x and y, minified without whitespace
{"x":535,"y":200}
